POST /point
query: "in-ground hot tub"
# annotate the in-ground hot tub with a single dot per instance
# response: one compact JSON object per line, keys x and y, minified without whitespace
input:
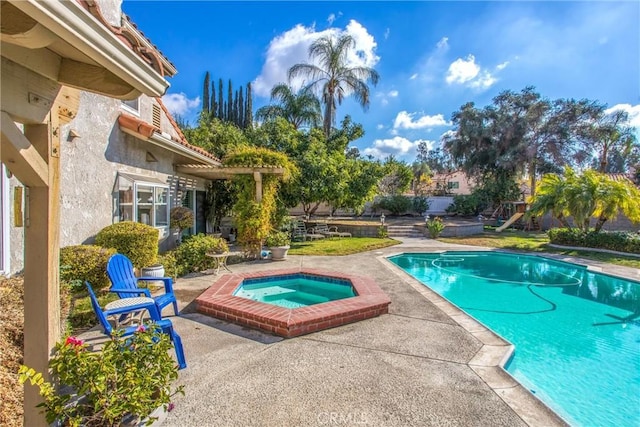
{"x":310,"y":306}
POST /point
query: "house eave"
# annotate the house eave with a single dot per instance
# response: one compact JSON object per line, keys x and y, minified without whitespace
{"x":68,"y":23}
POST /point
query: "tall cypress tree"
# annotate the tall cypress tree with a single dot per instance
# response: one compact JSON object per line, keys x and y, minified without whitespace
{"x":229,"y":102}
{"x":213,"y":107}
{"x":220,"y":101}
{"x":205,"y":95}
{"x":234,"y":119}
{"x":240,"y":121}
{"x":248,"y":113}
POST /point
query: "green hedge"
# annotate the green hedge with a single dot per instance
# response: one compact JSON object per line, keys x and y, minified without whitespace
{"x":612,"y":240}
{"x":85,"y":262}
{"x":138,"y":242}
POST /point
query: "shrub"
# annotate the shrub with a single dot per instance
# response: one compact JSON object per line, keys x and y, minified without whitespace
{"x":396,"y":204}
{"x":85,"y":262}
{"x":278,"y":238}
{"x":170,"y":264}
{"x":435,"y":227}
{"x":138,"y":242}
{"x":382,"y":232}
{"x":191,"y":254}
{"x":420,"y":204}
{"x":614,"y":240}
{"x":127,"y":380}
{"x":467,"y":205}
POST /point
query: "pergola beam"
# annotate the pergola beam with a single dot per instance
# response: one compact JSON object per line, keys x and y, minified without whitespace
{"x":20,"y":156}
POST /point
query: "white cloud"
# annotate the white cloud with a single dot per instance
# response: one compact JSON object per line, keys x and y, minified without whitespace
{"x":632,"y":110}
{"x":291,"y":47}
{"x":393,"y":94}
{"x":396,"y":146}
{"x":179,"y":103}
{"x":484,"y":81}
{"x":443,"y":43}
{"x":379,"y":126}
{"x":331,"y":18}
{"x":462,"y":70}
{"x":413,"y":76}
{"x":405,"y":120}
{"x":466,"y":71}
{"x":386,"y":33}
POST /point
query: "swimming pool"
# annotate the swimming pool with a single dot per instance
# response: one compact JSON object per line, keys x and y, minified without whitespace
{"x":576,"y":332}
{"x":295,"y":290}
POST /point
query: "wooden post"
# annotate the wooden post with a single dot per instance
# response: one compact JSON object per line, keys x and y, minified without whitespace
{"x":41,"y":260}
{"x":257,"y":176}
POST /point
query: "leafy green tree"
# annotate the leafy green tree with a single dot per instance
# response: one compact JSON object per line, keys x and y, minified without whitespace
{"x":216,"y":136}
{"x":518,"y":133}
{"x":608,"y":135}
{"x":397,"y":177}
{"x":299,"y":109}
{"x":333,"y":77}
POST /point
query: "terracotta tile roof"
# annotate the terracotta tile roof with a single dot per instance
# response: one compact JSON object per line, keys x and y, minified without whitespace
{"x":183,"y":139}
{"x":131,"y":36}
{"x":147,"y":130}
{"x":620,"y":176}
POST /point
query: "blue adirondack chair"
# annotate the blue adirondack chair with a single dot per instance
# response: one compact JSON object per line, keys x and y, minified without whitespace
{"x":125,"y":283}
{"x":154,"y":313}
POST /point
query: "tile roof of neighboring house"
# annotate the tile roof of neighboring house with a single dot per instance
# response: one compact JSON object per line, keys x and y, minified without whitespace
{"x":130,"y":34}
{"x":620,"y":176}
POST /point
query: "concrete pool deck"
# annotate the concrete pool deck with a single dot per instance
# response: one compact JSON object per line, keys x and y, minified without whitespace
{"x":424,"y":363}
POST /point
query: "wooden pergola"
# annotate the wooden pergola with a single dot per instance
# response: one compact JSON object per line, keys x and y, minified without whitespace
{"x":47,"y":45}
{"x":228,"y":172}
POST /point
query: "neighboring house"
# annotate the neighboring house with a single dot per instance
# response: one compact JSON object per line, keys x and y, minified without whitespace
{"x":452,"y":183}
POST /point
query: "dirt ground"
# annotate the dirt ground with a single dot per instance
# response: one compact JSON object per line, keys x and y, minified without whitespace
{"x":11,"y":344}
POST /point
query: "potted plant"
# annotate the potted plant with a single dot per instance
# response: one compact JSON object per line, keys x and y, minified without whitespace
{"x":278,"y":243}
{"x":88,"y":387}
{"x":180,"y":218}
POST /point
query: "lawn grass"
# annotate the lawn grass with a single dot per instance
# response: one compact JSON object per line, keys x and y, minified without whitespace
{"x":536,"y":242}
{"x":346,"y":246}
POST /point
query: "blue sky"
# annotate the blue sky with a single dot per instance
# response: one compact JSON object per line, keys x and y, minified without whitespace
{"x":432,"y":56}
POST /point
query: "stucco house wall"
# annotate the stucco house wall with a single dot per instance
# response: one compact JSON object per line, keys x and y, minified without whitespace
{"x":90,"y":164}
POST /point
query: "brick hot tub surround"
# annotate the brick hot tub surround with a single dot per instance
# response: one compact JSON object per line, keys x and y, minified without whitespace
{"x":218,"y":301}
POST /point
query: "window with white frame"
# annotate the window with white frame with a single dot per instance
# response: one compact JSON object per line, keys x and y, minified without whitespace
{"x":143,"y":200}
{"x":132,"y":106}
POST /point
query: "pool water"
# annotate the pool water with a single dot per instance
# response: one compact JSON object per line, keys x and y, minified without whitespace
{"x":296,"y":290}
{"x":576,"y":333}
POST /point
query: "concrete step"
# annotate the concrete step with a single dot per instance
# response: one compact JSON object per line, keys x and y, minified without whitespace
{"x":403,"y":231}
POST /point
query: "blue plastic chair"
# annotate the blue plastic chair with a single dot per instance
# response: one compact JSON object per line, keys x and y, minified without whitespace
{"x":125,"y":283}
{"x":154,"y":313}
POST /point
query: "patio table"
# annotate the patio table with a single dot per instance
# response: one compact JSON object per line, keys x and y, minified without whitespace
{"x":128,"y":302}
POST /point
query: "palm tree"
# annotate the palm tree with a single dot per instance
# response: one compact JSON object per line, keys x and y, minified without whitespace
{"x":550,"y":198}
{"x":333,"y":77}
{"x":302,"y":108}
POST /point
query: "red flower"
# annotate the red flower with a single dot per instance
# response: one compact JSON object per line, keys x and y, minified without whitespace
{"x":77,"y":342}
{"x":171,"y":406}
{"x":141,"y":328}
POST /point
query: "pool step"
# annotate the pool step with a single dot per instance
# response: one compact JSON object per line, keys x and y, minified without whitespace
{"x":404,"y":231}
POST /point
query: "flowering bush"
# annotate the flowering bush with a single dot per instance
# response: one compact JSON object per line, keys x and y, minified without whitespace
{"x":125,"y":381}
{"x":435,"y":227}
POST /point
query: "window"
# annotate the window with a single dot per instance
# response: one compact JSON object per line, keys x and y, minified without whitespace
{"x":131,"y":105}
{"x":144,"y":200}
{"x":452,"y":185}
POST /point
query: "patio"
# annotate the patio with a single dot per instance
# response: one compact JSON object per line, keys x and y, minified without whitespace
{"x":424,"y":363}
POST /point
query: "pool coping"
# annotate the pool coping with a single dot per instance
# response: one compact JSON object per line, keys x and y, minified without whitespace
{"x":489,"y":361}
{"x":218,"y":301}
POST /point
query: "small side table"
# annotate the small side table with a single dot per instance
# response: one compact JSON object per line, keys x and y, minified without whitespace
{"x":128,"y":302}
{"x":221,"y":260}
